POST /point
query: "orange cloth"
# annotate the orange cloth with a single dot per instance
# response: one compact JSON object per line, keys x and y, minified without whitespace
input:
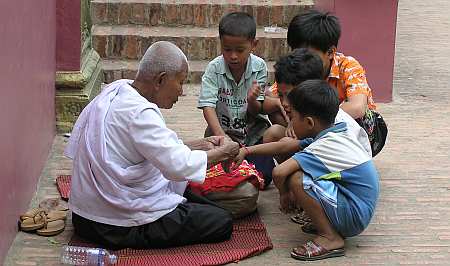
{"x":348,"y":77}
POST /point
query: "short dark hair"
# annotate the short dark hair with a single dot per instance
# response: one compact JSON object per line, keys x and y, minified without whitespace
{"x":238,"y":24}
{"x":314,"y":29}
{"x":315,"y":98}
{"x":298,"y":66}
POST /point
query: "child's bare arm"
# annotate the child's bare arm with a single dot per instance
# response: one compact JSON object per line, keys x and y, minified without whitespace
{"x":273,"y":148}
{"x":271,"y":105}
{"x":210,"y":116}
{"x":355,"y":105}
{"x":282,"y":171}
{"x":357,"y":89}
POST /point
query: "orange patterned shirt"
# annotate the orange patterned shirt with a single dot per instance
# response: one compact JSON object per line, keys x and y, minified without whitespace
{"x":348,"y":77}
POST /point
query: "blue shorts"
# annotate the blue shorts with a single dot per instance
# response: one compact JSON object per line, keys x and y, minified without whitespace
{"x":344,"y":218}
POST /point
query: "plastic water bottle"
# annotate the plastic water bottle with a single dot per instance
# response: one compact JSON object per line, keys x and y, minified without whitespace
{"x":86,"y":256}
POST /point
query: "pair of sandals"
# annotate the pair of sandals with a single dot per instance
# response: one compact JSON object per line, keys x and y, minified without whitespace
{"x":306,"y":224}
{"x":311,"y":250}
{"x":47,"y":220}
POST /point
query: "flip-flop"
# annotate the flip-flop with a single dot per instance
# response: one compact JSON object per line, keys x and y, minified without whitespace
{"x":55,"y":223}
{"x":301,"y":218}
{"x":57,"y":215}
{"x":313,"y":251}
{"x":52,"y":228}
{"x":309,"y":228}
{"x":32,"y":220}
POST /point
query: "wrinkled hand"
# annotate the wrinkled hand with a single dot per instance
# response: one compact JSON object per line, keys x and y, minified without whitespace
{"x":230,"y":150}
{"x":290,"y":131}
{"x":227,"y":139}
{"x":254,"y":92}
{"x":213,"y":142}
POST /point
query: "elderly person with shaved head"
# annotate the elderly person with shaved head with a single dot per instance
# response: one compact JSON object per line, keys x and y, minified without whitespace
{"x":130,"y":171}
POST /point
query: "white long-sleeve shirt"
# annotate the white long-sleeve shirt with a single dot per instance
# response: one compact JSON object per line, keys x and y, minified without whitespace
{"x":129,"y":169}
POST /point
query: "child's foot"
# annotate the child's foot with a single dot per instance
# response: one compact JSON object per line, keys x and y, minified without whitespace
{"x":319,"y":248}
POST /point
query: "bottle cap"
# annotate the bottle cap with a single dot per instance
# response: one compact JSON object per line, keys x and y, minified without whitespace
{"x":113,"y":258}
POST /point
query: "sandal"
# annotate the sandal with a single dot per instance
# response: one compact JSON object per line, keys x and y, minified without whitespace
{"x":301,"y":218}
{"x":57,"y":215}
{"x":32,"y":220}
{"x":45,"y":224}
{"x":309,"y":228}
{"x":312,"y":251}
{"x":52,"y":227}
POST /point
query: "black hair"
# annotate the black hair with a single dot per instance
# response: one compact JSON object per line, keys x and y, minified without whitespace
{"x":238,"y":24}
{"x":298,"y":66}
{"x":314,"y":29}
{"x":315,"y":98}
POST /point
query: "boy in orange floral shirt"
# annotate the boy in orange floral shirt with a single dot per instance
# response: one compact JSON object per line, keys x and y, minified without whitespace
{"x":320,"y":33}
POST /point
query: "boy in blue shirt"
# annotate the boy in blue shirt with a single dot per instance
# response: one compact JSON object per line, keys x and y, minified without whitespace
{"x":232,"y":94}
{"x":332,"y":178}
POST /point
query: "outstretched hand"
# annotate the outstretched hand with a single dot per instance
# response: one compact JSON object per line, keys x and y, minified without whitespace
{"x":237,"y":161}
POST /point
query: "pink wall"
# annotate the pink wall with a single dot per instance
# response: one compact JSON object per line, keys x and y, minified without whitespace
{"x":368,"y":34}
{"x":68,"y":35}
{"x":27,"y":111}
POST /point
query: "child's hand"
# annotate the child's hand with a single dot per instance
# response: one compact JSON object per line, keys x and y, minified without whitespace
{"x":290,"y":131}
{"x":239,"y":158}
{"x":254,"y":92}
{"x":283,"y":113}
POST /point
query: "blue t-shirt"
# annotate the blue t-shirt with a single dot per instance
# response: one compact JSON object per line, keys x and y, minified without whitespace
{"x":337,"y":167}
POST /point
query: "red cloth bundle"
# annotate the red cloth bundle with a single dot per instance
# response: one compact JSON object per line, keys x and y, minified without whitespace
{"x":219,"y":180}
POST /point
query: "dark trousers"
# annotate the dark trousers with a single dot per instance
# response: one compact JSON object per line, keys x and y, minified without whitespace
{"x":196,"y":221}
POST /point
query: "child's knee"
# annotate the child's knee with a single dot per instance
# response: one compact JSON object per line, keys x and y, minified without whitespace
{"x":274,"y":133}
{"x":286,"y":139}
{"x":277,"y":118}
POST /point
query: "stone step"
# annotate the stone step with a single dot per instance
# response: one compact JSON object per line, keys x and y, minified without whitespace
{"x":200,"y":13}
{"x":131,"y":41}
{"x":119,"y":69}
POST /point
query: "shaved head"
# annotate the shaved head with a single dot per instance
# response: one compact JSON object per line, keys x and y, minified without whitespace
{"x":161,"y":57}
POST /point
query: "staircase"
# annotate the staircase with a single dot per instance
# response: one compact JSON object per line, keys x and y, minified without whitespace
{"x":123,"y":30}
